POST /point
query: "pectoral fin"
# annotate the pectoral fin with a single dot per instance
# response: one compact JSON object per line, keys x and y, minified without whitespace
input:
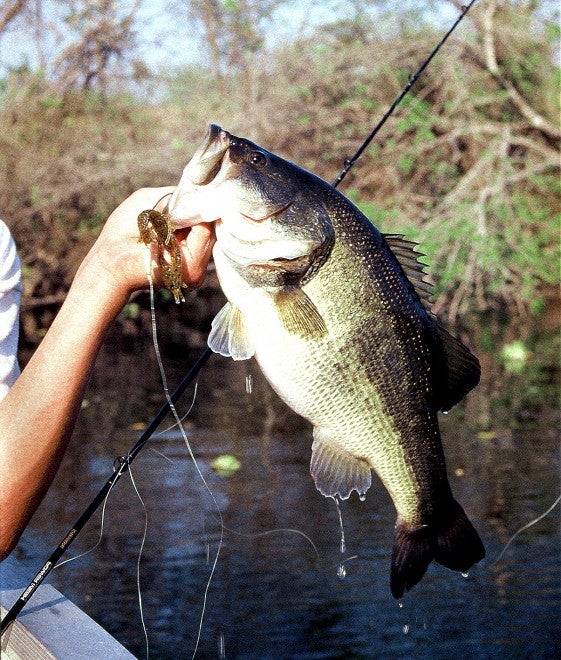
{"x":298,"y":313}
{"x":337,"y":472}
{"x":228,"y":335}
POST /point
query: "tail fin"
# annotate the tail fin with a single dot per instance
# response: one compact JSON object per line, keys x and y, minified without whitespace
{"x":454,"y":544}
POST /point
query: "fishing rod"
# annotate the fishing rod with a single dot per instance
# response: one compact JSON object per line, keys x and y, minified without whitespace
{"x":122,"y":463}
{"x":412,"y":79}
{"x":120,"y":466}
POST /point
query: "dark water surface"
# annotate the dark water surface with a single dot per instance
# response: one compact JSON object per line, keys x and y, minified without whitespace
{"x":272,"y":596}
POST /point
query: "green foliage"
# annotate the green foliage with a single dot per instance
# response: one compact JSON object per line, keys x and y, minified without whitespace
{"x":529,"y":379}
{"x":515,"y":356}
{"x":460,"y":167}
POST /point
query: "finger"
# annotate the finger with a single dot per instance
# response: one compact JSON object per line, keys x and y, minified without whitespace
{"x":197,"y":250}
{"x":123,"y":220}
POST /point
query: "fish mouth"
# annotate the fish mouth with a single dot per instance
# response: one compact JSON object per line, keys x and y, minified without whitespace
{"x":207,"y":159}
{"x":281,"y":208}
{"x":201,"y":170}
{"x":295,"y":265}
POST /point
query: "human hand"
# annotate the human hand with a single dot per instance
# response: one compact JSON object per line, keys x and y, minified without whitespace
{"x":120,"y":259}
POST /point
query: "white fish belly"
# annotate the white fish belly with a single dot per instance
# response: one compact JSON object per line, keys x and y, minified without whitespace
{"x":309,"y":376}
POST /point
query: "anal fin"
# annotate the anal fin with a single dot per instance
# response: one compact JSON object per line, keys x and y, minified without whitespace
{"x":337,"y":472}
{"x":228,"y":335}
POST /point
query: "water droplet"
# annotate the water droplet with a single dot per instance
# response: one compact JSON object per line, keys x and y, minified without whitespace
{"x":221,"y":647}
{"x":400,"y":605}
{"x":406,"y":629}
{"x":445,"y":412}
{"x":343,"y":545}
{"x":362,"y":497}
{"x":465,"y":575}
{"x":249,"y":383}
{"x":341,"y":571}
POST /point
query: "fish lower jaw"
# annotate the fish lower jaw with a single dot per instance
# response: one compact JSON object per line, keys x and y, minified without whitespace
{"x":295,"y":264}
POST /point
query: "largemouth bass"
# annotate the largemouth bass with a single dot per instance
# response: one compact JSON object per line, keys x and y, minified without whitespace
{"x":338,"y":318}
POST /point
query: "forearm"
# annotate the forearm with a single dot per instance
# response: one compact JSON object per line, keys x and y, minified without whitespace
{"x":39,"y":412}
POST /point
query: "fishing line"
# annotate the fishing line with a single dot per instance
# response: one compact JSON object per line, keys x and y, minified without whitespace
{"x":141,"y":550}
{"x":189,"y":449}
{"x":102,"y":526}
{"x":169,"y":428}
{"x":161,"y":453}
{"x":122,"y":463}
{"x":253,"y":535}
{"x":277,"y":530}
{"x":525,"y":527}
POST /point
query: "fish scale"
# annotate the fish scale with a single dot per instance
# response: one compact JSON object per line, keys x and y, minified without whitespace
{"x":341,"y":327}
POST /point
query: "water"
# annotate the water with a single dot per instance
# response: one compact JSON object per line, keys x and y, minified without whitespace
{"x":271,"y":595}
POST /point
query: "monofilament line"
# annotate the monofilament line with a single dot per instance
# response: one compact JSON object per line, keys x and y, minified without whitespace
{"x":527,"y":526}
{"x":101,"y":528}
{"x":140,"y":551}
{"x":189,"y":449}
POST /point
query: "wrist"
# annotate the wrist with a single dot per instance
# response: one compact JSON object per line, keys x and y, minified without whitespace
{"x":113,"y":272}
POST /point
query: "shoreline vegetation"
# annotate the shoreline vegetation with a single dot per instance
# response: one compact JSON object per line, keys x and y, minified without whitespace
{"x":468,"y":166}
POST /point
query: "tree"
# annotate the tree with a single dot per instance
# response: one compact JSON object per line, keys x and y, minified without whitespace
{"x":101,"y":33}
{"x":233,"y":30}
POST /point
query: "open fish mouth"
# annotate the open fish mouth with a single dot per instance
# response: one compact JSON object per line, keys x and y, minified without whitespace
{"x":201,"y":170}
{"x":207,"y":159}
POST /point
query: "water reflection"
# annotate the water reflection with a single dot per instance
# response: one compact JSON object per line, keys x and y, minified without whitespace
{"x":272,"y":595}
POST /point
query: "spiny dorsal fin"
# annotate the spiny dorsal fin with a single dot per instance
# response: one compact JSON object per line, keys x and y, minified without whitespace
{"x":462,"y":370}
{"x":228,"y":335}
{"x":298,"y":313}
{"x":404,"y":251}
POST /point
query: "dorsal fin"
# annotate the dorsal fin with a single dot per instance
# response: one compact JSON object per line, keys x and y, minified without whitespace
{"x":408,"y":258}
{"x":462,"y":370}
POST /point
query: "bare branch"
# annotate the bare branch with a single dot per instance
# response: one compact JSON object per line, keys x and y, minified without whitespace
{"x":490,"y":63}
{"x":9,"y":12}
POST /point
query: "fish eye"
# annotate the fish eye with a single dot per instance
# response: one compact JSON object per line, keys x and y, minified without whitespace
{"x":258,"y":158}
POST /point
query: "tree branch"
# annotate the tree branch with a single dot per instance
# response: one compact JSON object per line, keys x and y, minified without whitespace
{"x":533,"y":117}
{"x":7,"y":14}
